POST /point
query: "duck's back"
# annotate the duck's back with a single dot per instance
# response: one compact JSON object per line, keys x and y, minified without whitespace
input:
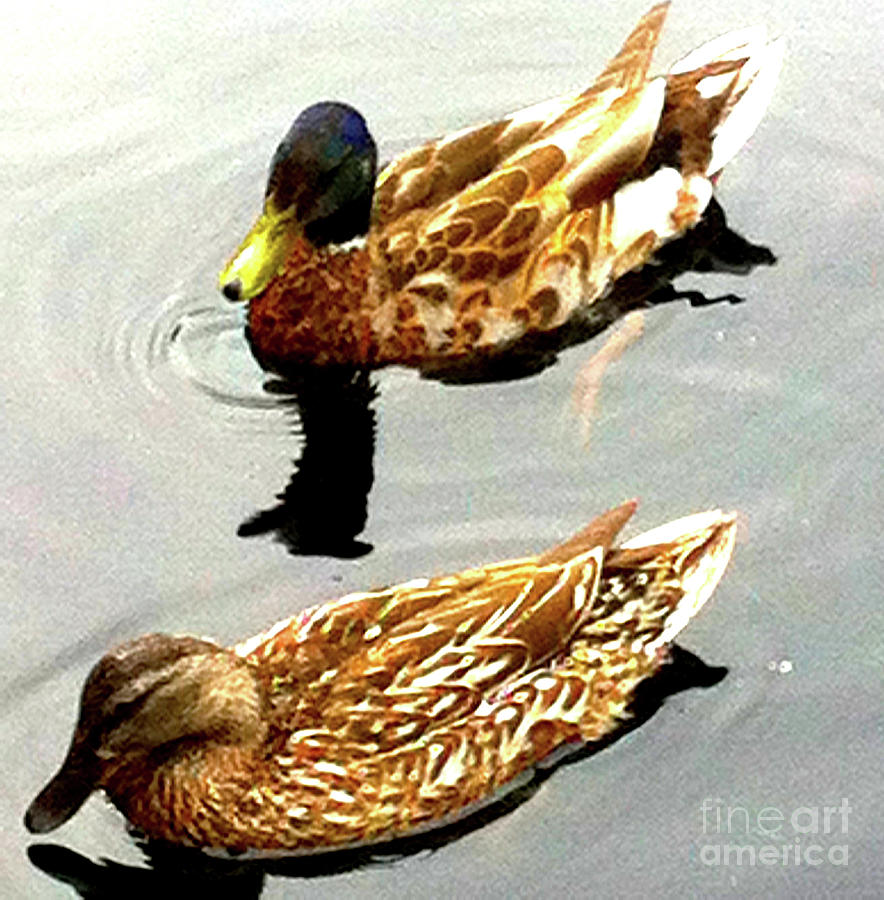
{"x":514,"y":227}
{"x":433,"y":698}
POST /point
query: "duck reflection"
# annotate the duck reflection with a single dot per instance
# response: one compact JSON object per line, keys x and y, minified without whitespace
{"x":323,"y":509}
{"x":177,"y":871}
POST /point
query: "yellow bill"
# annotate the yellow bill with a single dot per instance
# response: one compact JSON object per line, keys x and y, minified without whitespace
{"x":260,"y":256}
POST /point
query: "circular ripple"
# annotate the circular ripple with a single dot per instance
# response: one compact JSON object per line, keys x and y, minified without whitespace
{"x":187,"y":352}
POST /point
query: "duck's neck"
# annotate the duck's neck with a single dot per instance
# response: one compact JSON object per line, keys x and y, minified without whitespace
{"x":314,"y":311}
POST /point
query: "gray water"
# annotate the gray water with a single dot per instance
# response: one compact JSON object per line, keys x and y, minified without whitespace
{"x":138,"y":435}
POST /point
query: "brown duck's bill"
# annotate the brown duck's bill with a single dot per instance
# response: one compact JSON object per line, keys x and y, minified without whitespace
{"x":65,"y":794}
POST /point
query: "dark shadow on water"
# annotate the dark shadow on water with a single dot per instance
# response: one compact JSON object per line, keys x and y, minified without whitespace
{"x":323,"y":508}
{"x":175,"y":872}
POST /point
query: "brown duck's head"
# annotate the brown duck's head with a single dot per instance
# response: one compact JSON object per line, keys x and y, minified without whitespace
{"x":145,"y":695}
{"x":320,"y":187}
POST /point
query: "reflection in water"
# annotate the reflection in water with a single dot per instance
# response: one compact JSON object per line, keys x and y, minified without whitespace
{"x":323,"y":507}
{"x":177,"y":871}
{"x":192,"y":355}
{"x":589,"y":379}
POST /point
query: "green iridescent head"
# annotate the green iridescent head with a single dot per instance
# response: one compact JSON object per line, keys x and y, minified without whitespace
{"x":320,"y":186}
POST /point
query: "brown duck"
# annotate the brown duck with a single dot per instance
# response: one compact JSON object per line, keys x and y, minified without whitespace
{"x":476,"y":241}
{"x":384,"y":712}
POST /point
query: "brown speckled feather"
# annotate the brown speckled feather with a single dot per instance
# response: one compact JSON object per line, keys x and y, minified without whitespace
{"x":427,"y":653}
{"x":455,"y":269}
{"x":430,"y":175}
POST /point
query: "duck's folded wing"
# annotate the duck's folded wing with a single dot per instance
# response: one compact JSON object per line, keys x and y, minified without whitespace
{"x":428,"y":177}
{"x":438,"y":665}
{"x":463,"y":264}
{"x":372,"y":671}
{"x":708,"y":113}
{"x":322,"y":637}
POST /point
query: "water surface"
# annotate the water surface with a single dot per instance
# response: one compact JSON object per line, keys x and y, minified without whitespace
{"x":138,"y":434}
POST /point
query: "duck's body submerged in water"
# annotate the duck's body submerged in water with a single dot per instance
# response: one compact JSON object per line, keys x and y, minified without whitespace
{"x":381,"y":713}
{"x":470,"y":243}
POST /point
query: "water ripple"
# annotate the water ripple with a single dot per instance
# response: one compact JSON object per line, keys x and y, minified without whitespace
{"x":187,"y":352}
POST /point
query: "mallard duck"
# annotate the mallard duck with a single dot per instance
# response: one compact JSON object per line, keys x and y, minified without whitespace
{"x":464,"y":246}
{"x":384,"y":712}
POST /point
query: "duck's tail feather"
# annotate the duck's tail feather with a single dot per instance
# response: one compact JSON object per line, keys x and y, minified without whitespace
{"x":649,"y":590}
{"x":600,"y":532}
{"x":728,"y":82}
{"x":654,"y":584}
